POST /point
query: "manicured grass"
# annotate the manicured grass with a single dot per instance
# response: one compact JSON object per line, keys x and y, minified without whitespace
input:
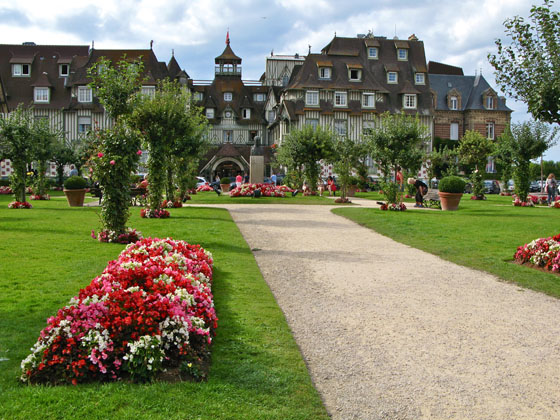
{"x":210,"y":197}
{"x":481,"y":234}
{"x":257,"y":371}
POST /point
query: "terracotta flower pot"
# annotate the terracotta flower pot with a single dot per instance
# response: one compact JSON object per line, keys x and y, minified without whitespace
{"x":224,"y":187}
{"x":75,"y":198}
{"x":449,"y":201}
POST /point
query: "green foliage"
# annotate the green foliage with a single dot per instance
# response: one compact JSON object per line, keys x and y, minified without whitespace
{"x":392,"y":192}
{"x":44,"y":145}
{"x":62,"y":155}
{"x":301,"y":152}
{"x":347,"y":156}
{"x":452,"y":184}
{"x":528,"y":68}
{"x":225,"y":180}
{"x":116,"y":84}
{"x":474,"y":149}
{"x":439,"y":162}
{"x":75,"y":183}
{"x":399,"y":141}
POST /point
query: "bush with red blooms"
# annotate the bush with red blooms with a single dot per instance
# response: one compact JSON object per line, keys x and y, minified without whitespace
{"x":5,"y":190}
{"x":129,"y":236}
{"x":393,"y":207}
{"x":20,"y":205}
{"x":172,"y":204}
{"x":518,"y":203}
{"x":267,"y":190}
{"x":40,"y":197}
{"x":151,"y":309}
{"x":542,"y":252}
{"x":478,"y":197}
{"x":154,"y":213}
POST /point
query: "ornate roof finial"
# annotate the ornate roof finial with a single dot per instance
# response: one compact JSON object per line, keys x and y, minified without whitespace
{"x":151,"y":44}
{"x":172,"y":52}
{"x":227,"y":37}
{"x":309,"y":50}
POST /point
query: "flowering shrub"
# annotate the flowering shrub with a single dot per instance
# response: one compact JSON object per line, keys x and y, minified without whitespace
{"x":518,"y":203}
{"x":41,"y":197}
{"x":267,"y":190}
{"x":151,"y":309}
{"x":556,"y":204}
{"x":154,"y":213}
{"x":478,"y":197}
{"x":5,"y":190}
{"x":20,"y":205}
{"x":127,"y":237}
{"x":172,"y":204}
{"x":204,"y":187}
{"x":393,"y":207}
{"x":542,"y":252}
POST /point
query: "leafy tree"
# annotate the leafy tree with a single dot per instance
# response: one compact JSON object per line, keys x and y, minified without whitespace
{"x":474,"y":149}
{"x":528,"y":68}
{"x":523,"y":142}
{"x":16,"y":144}
{"x":302,"y":150}
{"x":348,"y":156}
{"x":397,"y":142}
{"x":44,"y":140}
{"x":62,"y":155}
{"x":439,"y":162}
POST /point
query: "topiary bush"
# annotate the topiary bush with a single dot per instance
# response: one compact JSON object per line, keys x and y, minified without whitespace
{"x":452,"y":184}
{"x":75,"y":183}
{"x":225,"y":180}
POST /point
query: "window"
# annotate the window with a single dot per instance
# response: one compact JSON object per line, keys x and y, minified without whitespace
{"x":409,"y":101}
{"x":21,"y":70}
{"x":402,"y":54}
{"x":454,"y":131}
{"x":246,"y":113}
{"x":340,"y":127}
{"x":453,"y":102}
{"x":259,"y":97}
{"x":324,"y":72}
{"x":420,"y":79}
{"x":209,"y":112}
{"x":392,"y":77}
{"x":489,"y":102}
{"x":228,"y":96}
{"x":84,"y":124}
{"x":340,"y":98}
{"x":271,"y":116}
{"x":228,"y":136}
{"x":355,"y":75}
{"x":84,"y":94}
{"x":368,"y":127}
{"x":285,"y":80}
{"x":41,"y":94}
{"x":149,"y":91}
{"x":313,"y":122}
{"x":63,"y":70}
{"x":312,"y":98}
{"x":490,"y":130}
{"x":368,"y":100}
{"x":198,"y":96}
{"x":373,"y":52}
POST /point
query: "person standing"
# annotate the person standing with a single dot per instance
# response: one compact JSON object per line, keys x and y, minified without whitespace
{"x":273,"y":179}
{"x":421,"y":190}
{"x":400,"y":179}
{"x":238,"y":179}
{"x":551,"y":188}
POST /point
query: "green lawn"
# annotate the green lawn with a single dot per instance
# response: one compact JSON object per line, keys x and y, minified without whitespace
{"x":47,"y":253}
{"x":481,"y":234}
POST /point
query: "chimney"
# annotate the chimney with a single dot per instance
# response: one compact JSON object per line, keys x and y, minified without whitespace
{"x":413,"y":37}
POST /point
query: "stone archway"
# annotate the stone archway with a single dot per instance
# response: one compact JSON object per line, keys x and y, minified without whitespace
{"x":229,"y":167}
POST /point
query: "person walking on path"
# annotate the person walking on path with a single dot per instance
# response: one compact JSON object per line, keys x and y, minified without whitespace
{"x":421,"y":190}
{"x":551,"y":188}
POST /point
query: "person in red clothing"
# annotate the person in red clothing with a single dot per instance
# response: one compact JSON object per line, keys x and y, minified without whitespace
{"x":238,"y":180}
{"x":331,"y":185}
{"x":400,"y":178}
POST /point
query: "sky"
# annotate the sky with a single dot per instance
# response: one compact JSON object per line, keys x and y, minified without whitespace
{"x":456,"y":32}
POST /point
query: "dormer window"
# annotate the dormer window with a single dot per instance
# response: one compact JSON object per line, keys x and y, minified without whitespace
{"x":373,"y":53}
{"x":420,"y":79}
{"x":324,"y":72}
{"x":21,"y":70}
{"x":149,"y":91}
{"x":402,"y":54}
{"x":210,"y":113}
{"x":409,"y":101}
{"x":340,"y":99}
{"x":489,"y":102}
{"x":41,"y":95}
{"x":246,"y":113}
{"x":392,"y":77}
{"x":84,"y":94}
{"x":354,"y":75}
{"x":259,"y":97}
{"x":63,"y":70}
{"x":453,"y":103}
{"x":228,"y":96}
{"x":198,"y":96}
{"x":368,"y":100}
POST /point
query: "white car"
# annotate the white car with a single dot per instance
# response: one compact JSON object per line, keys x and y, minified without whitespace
{"x":200,"y":181}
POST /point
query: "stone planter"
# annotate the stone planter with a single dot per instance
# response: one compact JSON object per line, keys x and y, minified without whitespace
{"x":449,"y":201}
{"x":75,"y":198}
{"x":224,"y":187}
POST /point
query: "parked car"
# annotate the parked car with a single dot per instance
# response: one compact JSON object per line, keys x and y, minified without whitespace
{"x":491,"y":186}
{"x":510,"y":185}
{"x":535,"y":186}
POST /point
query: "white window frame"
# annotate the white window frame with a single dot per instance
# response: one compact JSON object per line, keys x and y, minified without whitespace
{"x":341,"y":99}
{"x":312,"y":98}
{"x":17,"y":70}
{"x":409,"y":101}
{"x":209,"y":113}
{"x":313,"y":122}
{"x":83,"y":126}
{"x":325,"y":73}
{"x":355,"y":79}
{"x":402,"y":54}
{"x":453,"y":103}
{"x":149,"y":91}
{"x":454,"y":131}
{"x":246,"y":113}
{"x":489,"y":102}
{"x":64,"y":66}
{"x":341,"y":127}
{"x":420,"y":79}
{"x":392,"y":82}
{"x":41,"y":95}
{"x":85,"y":94}
{"x":368,"y":100}
{"x":368,"y":127}
{"x":373,"y":53}
{"x":228,"y":96}
{"x":490,"y":130}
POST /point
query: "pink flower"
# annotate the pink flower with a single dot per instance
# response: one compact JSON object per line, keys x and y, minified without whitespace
{"x":100,"y":155}
{"x":139,"y":152}
{"x":112,"y":162}
{"x":93,"y":234}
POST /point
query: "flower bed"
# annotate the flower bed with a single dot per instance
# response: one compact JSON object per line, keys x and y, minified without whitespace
{"x":204,"y":187}
{"x":267,"y":190}
{"x":154,"y":214}
{"x":5,"y":190}
{"x":518,"y":203}
{"x":128,"y":237}
{"x":172,"y":204}
{"x":151,"y":309}
{"x":393,"y":207}
{"x":478,"y":197}
{"x":542,"y":252}
{"x":20,"y":205}
{"x":40,"y":197}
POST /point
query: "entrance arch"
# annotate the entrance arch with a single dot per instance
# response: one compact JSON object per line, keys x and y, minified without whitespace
{"x":229,"y":167}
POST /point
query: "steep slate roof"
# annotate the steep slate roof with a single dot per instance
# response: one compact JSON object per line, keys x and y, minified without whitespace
{"x":346,"y":53}
{"x":440,"y":68}
{"x":42,"y":59}
{"x":471,"y":89}
{"x":228,"y":56}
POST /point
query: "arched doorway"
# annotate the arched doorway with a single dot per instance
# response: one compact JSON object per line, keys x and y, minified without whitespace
{"x":227,"y":167}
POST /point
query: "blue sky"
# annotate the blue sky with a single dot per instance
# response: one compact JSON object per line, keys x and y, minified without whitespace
{"x":460,"y":33}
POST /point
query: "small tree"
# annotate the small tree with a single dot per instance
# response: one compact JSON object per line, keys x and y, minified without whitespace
{"x":528,"y":68}
{"x":474,"y":149}
{"x":347,"y":156}
{"x":302,"y":150}
{"x":44,"y":143}
{"x":523,"y":142}
{"x":62,"y":155}
{"x":438,"y":162}
{"x":16,"y":144}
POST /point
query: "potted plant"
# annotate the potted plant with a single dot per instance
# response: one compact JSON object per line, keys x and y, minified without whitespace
{"x":451,"y":190}
{"x":75,"y":191}
{"x":224,"y":184}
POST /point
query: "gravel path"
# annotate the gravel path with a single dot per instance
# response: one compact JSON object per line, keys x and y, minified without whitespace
{"x":391,"y":332}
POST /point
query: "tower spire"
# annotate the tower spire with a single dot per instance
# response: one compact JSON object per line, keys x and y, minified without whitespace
{"x":227,"y":37}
